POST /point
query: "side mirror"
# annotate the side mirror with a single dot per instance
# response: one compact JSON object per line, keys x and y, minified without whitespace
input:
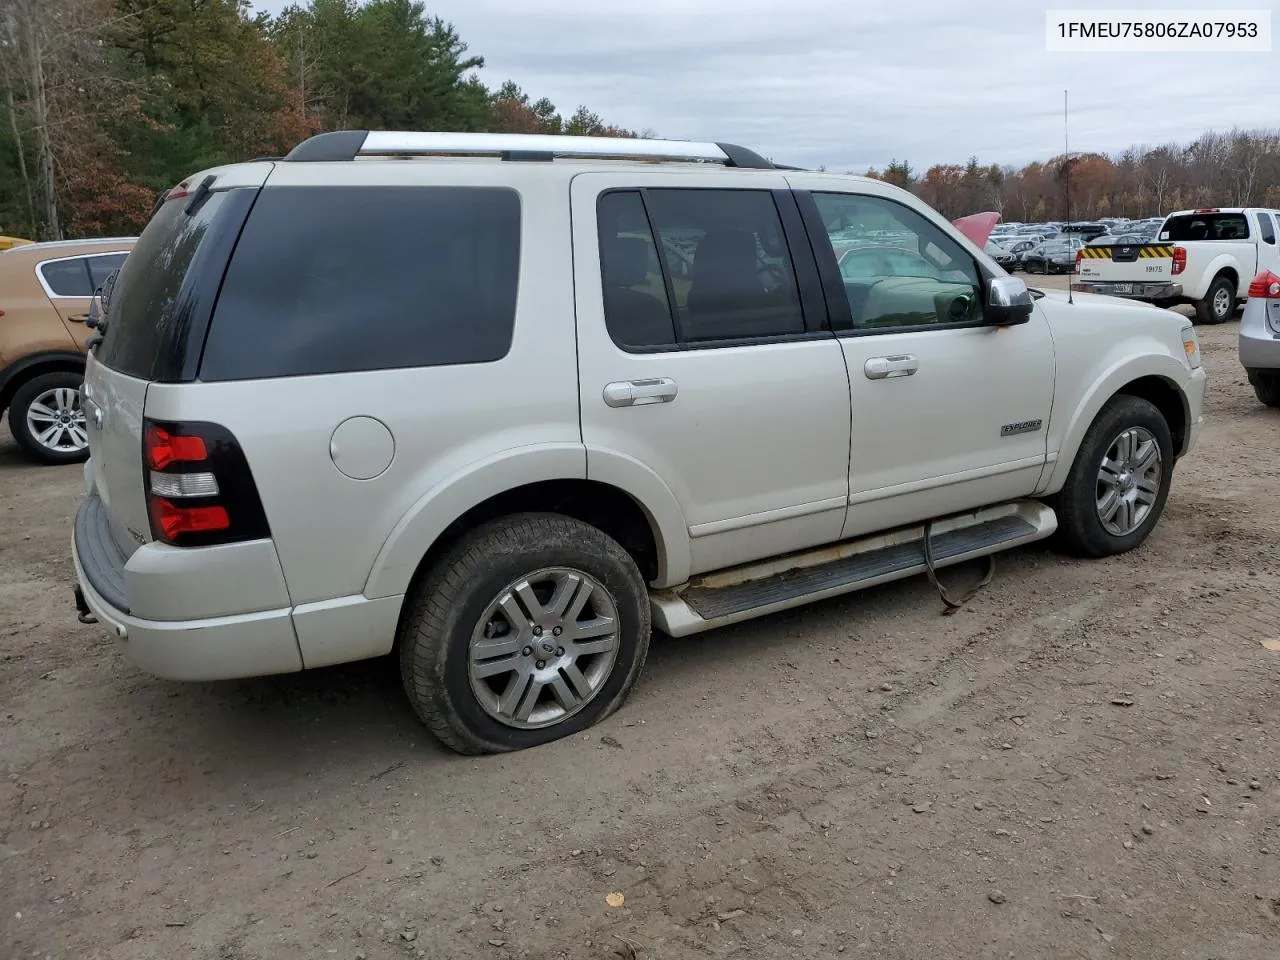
{"x":1009,"y":302}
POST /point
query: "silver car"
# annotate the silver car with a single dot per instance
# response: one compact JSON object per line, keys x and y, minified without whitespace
{"x":1260,"y":337}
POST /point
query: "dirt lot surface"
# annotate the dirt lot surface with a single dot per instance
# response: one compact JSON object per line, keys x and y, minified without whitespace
{"x":1084,"y":762}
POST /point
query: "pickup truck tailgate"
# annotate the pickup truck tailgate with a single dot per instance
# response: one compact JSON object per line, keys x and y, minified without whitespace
{"x":1131,"y":263}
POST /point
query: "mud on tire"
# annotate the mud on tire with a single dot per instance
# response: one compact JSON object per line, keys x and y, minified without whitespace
{"x":472,"y":617}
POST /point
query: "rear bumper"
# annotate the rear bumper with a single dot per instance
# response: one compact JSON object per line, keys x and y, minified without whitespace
{"x":251,"y":644}
{"x":1259,"y":344}
{"x":1131,"y":291}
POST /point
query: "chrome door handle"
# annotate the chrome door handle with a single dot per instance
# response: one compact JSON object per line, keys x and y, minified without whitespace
{"x":879,"y":368}
{"x":634,"y":393}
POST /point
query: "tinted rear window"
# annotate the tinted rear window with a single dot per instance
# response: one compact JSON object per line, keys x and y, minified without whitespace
{"x":327,"y":280}
{"x":67,"y":278}
{"x":1205,"y":226}
{"x":151,"y":305}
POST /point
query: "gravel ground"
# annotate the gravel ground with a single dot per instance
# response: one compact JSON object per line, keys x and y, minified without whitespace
{"x":1082,"y":763}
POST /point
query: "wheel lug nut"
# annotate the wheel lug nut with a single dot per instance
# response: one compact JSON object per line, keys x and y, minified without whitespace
{"x":537,"y":631}
{"x":527,"y":651}
{"x":557,"y":631}
{"x":559,"y":651}
{"x":542,"y":664}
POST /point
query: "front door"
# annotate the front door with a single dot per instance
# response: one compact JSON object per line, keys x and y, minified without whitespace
{"x":948,"y":413}
{"x":704,"y":360}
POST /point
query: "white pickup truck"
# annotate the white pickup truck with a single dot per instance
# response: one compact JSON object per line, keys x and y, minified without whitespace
{"x":1204,"y":257}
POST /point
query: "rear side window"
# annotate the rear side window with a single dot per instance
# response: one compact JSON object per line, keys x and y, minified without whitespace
{"x":1189,"y":227}
{"x":1266,"y":228}
{"x":327,"y":280}
{"x":67,"y":278}
{"x":102,"y":267}
{"x":714,"y":261}
{"x":150,"y":310}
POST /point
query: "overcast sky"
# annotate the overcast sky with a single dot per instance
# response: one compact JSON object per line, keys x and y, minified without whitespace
{"x":856,"y":83}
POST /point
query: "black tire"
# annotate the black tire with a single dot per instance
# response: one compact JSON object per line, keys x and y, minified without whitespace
{"x":1205,"y":312}
{"x":1080,"y":530}
{"x":1266,"y":386}
{"x":435,"y":631}
{"x":23,"y":397}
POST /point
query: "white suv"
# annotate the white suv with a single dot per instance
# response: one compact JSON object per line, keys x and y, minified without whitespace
{"x":500,"y":403}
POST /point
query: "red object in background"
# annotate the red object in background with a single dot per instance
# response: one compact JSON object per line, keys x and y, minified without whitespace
{"x":977,"y":227}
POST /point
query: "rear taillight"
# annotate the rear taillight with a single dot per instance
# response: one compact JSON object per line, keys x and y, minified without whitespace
{"x":1265,"y":286}
{"x":1079,"y":257}
{"x":1179,"y":260}
{"x":200,"y":491}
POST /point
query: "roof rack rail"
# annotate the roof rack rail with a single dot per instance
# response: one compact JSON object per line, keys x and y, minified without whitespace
{"x":341,"y":145}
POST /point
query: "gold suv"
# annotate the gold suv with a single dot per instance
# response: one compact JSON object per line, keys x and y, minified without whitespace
{"x":45,"y":292}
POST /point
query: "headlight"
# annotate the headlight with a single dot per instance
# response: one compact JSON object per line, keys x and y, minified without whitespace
{"x":1191,"y":346}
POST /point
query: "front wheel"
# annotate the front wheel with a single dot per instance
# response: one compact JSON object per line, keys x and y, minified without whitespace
{"x":531,"y":628}
{"x":47,"y":421}
{"x":1119,"y":482}
{"x":1218,"y":303}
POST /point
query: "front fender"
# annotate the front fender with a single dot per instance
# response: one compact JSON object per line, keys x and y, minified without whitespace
{"x":1117,"y":373}
{"x":446,"y":501}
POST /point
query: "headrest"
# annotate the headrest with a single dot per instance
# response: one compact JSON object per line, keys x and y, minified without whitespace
{"x":625,"y":260}
{"x":726,"y":256}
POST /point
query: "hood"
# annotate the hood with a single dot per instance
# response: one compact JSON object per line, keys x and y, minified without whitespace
{"x":1101,"y":301}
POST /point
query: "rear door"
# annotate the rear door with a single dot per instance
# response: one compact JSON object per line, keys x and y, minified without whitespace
{"x":704,"y":358}
{"x":154,"y":325}
{"x":70,"y":282}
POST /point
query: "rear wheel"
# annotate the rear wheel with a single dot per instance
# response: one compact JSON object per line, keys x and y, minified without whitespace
{"x":1266,"y":386}
{"x":1219,"y":302}
{"x":531,"y":628}
{"x":1119,"y":482}
{"x":47,"y":421}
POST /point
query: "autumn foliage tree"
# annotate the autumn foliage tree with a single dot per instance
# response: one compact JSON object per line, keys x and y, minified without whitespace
{"x":104,"y":103}
{"x":1239,"y":168}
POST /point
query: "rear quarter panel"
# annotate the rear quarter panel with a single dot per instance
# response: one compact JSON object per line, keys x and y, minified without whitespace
{"x":1206,"y":260}
{"x":461,"y":433}
{"x":30,"y":325}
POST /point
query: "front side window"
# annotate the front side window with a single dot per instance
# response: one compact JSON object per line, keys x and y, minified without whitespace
{"x":898,"y":268}
{"x":103,"y":266}
{"x":67,"y":278}
{"x":695,"y":267}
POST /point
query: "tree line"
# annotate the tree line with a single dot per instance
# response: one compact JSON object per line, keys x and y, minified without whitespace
{"x":1236,"y":169}
{"x":105,"y":103}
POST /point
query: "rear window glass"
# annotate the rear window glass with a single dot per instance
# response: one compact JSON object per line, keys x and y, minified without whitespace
{"x":1266,"y":228}
{"x":100,"y":268}
{"x":1205,"y":226}
{"x":328,"y":280}
{"x":67,"y":278}
{"x":148,"y":310}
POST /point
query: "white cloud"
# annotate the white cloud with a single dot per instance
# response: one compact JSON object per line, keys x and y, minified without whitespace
{"x":851,"y":83}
